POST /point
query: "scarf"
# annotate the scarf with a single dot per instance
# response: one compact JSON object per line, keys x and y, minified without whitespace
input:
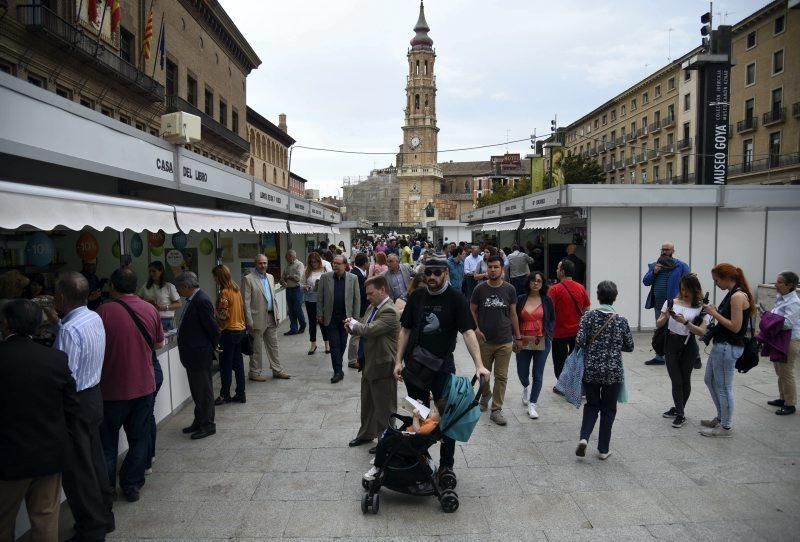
{"x":607,"y":309}
{"x":441,"y":290}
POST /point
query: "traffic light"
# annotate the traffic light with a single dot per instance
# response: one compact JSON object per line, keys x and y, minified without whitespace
{"x":533,"y":141}
{"x":553,"y":126}
{"x":705,"y":30}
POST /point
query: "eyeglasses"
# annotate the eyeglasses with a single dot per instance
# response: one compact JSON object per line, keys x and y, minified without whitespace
{"x":437,"y":272}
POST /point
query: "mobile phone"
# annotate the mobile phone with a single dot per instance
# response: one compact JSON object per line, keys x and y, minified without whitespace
{"x":671,"y":312}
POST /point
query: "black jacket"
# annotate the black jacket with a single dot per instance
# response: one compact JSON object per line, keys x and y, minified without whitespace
{"x":198,"y":334}
{"x":37,"y":403}
{"x":362,"y":289}
{"x":549,"y":315}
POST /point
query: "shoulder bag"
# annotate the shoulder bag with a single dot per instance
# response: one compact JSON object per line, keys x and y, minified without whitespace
{"x":659,"y":341}
{"x":580,"y":310}
{"x":158,"y":373}
{"x":570,"y":382}
{"x":421,"y":365}
{"x":749,"y":357}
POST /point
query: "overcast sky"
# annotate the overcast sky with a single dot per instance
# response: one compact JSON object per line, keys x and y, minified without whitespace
{"x":503,"y":67}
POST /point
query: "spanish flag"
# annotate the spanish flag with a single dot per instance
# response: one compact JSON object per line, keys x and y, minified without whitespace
{"x":148,"y":36}
{"x":116,"y":14}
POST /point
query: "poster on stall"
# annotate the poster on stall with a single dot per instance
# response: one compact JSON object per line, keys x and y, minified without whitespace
{"x":226,"y":244}
{"x":177,"y":261}
{"x":271,"y":246}
{"x":247,"y":268}
{"x":248,"y":251}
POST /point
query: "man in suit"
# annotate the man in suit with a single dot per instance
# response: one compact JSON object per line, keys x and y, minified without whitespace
{"x":337,"y":299}
{"x":398,"y":276}
{"x":360,"y":266}
{"x":258,"y":289}
{"x":378,"y":330}
{"x":37,"y":405}
{"x":198,"y":337}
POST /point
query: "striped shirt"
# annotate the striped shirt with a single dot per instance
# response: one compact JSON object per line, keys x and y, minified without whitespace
{"x":82,"y":337}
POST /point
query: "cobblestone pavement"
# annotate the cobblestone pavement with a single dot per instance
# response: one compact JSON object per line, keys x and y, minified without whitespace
{"x":279,"y":467}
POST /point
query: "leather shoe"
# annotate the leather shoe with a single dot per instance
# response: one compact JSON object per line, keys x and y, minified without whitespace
{"x":353,"y":365}
{"x":290,"y":333}
{"x":373,"y":450}
{"x":239,"y":398}
{"x":131,"y":494}
{"x":358,"y":442}
{"x":258,"y":378}
{"x":203,"y":432}
{"x":191,"y":429}
{"x":655,"y":361}
{"x":301,"y":330}
{"x":776,"y":402}
{"x":283,"y":375}
{"x":221,"y":400}
{"x":336,"y":378}
{"x":785,"y":410}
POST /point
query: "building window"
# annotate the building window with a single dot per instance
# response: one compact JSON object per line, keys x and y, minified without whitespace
{"x":633,"y":104}
{"x":671,"y":113}
{"x":774,"y":149}
{"x":687,"y":101}
{"x":633,"y":128}
{"x":223,"y":113}
{"x":35,"y":80}
{"x":125,"y":120}
{"x":777,"y":100}
{"x":235,"y":121}
{"x":172,"y":79}
{"x":106,"y":111}
{"x":777,"y":62}
{"x":605,"y":120}
{"x":622,"y":110}
{"x":645,"y":98}
{"x":747,"y":155}
{"x":7,"y":67}
{"x":687,"y":75}
{"x":140,"y":126}
{"x":644,"y":175}
{"x":64,"y":92}
{"x":751,"y":39}
{"x":209,"y":102}
{"x":658,"y":91}
{"x":191,"y":90}
{"x":655,"y":174}
{"x":669,"y":171}
{"x":750,"y":74}
{"x":749,"y":108}
{"x":685,"y":167}
{"x":780,"y":24}
{"x":126,"y":46}
{"x":644,"y":124}
{"x":153,"y":132}
{"x":596,"y":124}
{"x":686,"y":130}
{"x":86,"y":102}
{"x":671,"y":84}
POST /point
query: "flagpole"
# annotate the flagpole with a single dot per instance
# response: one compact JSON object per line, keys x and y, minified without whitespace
{"x":141,"y":51}
{"x":155,"y":56}
{"x":99,"y":32}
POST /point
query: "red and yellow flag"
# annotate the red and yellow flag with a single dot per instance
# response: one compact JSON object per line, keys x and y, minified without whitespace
{"x":148,"y":36}
{"x":116,"y":14}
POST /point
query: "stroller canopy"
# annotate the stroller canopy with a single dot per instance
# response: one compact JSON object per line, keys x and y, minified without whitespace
{"x":461,"y":414}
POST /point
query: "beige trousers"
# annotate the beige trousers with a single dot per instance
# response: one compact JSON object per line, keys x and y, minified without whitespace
{"x":785,"y":371}
{"x":265,"y":343}
{"x":495,"y":358}
{"x":41,"y":496}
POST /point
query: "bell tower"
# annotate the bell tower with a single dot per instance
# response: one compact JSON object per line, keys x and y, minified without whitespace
{"x":417,"y":163}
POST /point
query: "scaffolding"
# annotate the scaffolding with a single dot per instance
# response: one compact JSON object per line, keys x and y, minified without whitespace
{"x":375,"y":198}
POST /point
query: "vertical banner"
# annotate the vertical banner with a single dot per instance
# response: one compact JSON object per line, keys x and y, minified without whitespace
{"x":717,"y":92}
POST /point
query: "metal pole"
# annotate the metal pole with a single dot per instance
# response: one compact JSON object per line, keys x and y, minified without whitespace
{"x":289,"y":173}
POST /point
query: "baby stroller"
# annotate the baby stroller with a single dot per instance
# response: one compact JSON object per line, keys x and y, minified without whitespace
{"x":406,"y":465}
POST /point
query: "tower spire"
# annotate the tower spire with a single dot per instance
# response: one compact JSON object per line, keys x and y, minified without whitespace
{"x":421,"y":39}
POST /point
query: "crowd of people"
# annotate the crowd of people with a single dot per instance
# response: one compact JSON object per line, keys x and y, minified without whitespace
{"x":392,"y":308}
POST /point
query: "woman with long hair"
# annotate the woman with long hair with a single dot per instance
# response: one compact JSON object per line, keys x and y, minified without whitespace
{"x":536,"y":320}
{"x":314,"y":271}
{"x":729,"y":337}
{"x":161,"y":294}
{"x":379,"y":267}
{"x":230,"y":315}
{"x":685,"y":320}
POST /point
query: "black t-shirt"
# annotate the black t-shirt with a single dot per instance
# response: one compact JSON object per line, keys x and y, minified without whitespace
{"x":444,"y":316}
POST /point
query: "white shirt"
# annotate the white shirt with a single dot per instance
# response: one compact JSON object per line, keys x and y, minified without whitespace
{"x":472,"y":263}
{"x":690,"y":313}
{"x":163,"y":296}
{"x":326,"y":265}
{"x":788,"y":306}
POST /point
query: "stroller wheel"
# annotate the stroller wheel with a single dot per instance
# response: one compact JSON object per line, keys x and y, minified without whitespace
{"x":447,"y":480}
{"x":365,"y":503}
{"x":376,"y":503}
{"x":365,"y":483}
{"x":449,"y":501}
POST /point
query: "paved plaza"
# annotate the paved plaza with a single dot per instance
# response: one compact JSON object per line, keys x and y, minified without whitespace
{"x":279,"y":468}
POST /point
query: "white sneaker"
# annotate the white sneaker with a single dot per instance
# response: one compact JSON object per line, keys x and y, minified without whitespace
{"x":372,"y":461}
{"x":532,"y":414}
{"x":603,"y":456}
{"x":526,"y":395}
{"x":148,"y":471}
{"x":370,"y":474}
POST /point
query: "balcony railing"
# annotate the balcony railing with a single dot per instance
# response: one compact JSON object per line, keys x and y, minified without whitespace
{"x":176,"y":103}
{"x":641,"y":157}
{"x":653,"y":154}
{"x":774,"y":117}
{"x":655,"y":127}
{"x":609,"y":167}
{"x":686,"y":178}
{"x":592,"y":152}
{"x":641,"y":132}
{"x":631,"y":137}
{"x":796,"y":109}
{"x":746,"y":125}
{"x":685,"y":144}
{"x":630,"y":161}
{"x":669,"y":122}
{"x":667,"y":150}
{"x":774,"y":161}
{"x":611,"y":143}
{"x":39,"y":19}
{"x":620,"y":164}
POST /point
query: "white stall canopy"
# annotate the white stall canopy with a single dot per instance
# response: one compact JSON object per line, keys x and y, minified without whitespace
{"x":308,"y":228}
{"x":542,"y":223}
{"x":45,"y":208}
{"x":269,"y":225}
{"x":508,"y":225}
{"x":193,"y":219}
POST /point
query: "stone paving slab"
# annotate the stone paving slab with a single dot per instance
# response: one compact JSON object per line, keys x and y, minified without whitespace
{"x":279,"y":468}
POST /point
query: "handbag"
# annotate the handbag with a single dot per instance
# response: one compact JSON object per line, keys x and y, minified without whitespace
{"x":659,"y":340}
{"x":246,"y":344}
{"x":749,"y":357}
{"x":534,"y":343}
{"x":570,"y":382}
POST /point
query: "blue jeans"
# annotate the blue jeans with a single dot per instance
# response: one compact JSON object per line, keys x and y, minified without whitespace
{"x":231,"y":360}
{"x":719,"y":379}
{"x":338,"y":339}
{"x":539,"y":358}
{"x":151,"y":447}
{"x":294,"y":306}
{"x":134,"y":416}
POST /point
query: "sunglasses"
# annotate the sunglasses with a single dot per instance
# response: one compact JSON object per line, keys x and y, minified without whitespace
{"x":437,"y":272}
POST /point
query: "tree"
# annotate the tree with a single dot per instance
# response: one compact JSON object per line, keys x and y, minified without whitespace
{"x":501,"y":192}
{"x":580,"y":170}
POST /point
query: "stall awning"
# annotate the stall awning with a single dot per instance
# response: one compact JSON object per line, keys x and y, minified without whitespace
{"x":308,"y":228}
{"x":45,"y":208}
{"x":193,"y":219}
{"x":508,"y":225}
{"x":542,"y":223}
{"x":269,"y":225}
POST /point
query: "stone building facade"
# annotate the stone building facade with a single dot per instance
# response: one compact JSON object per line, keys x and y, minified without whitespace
{"x":269,"y":150}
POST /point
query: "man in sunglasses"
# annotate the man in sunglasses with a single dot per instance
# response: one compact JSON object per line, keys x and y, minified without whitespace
{"x":433,"y":318}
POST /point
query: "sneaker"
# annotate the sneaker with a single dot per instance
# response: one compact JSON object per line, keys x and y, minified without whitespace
{"x":497,"y":417}
{"x":532,"y":414}
{"x":679,"y":421}
{"x":710,"y":423}
{"x":526,"y":395}
{"x":603,"y":455}
{"x":655,"y":361}
{"x":718,"y":431}
{"x":671,"y":413}
{"x":698,"y":364}
{"x":148,"y":470}
{"x":580,"y":451}
{"x":370,"y":474}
